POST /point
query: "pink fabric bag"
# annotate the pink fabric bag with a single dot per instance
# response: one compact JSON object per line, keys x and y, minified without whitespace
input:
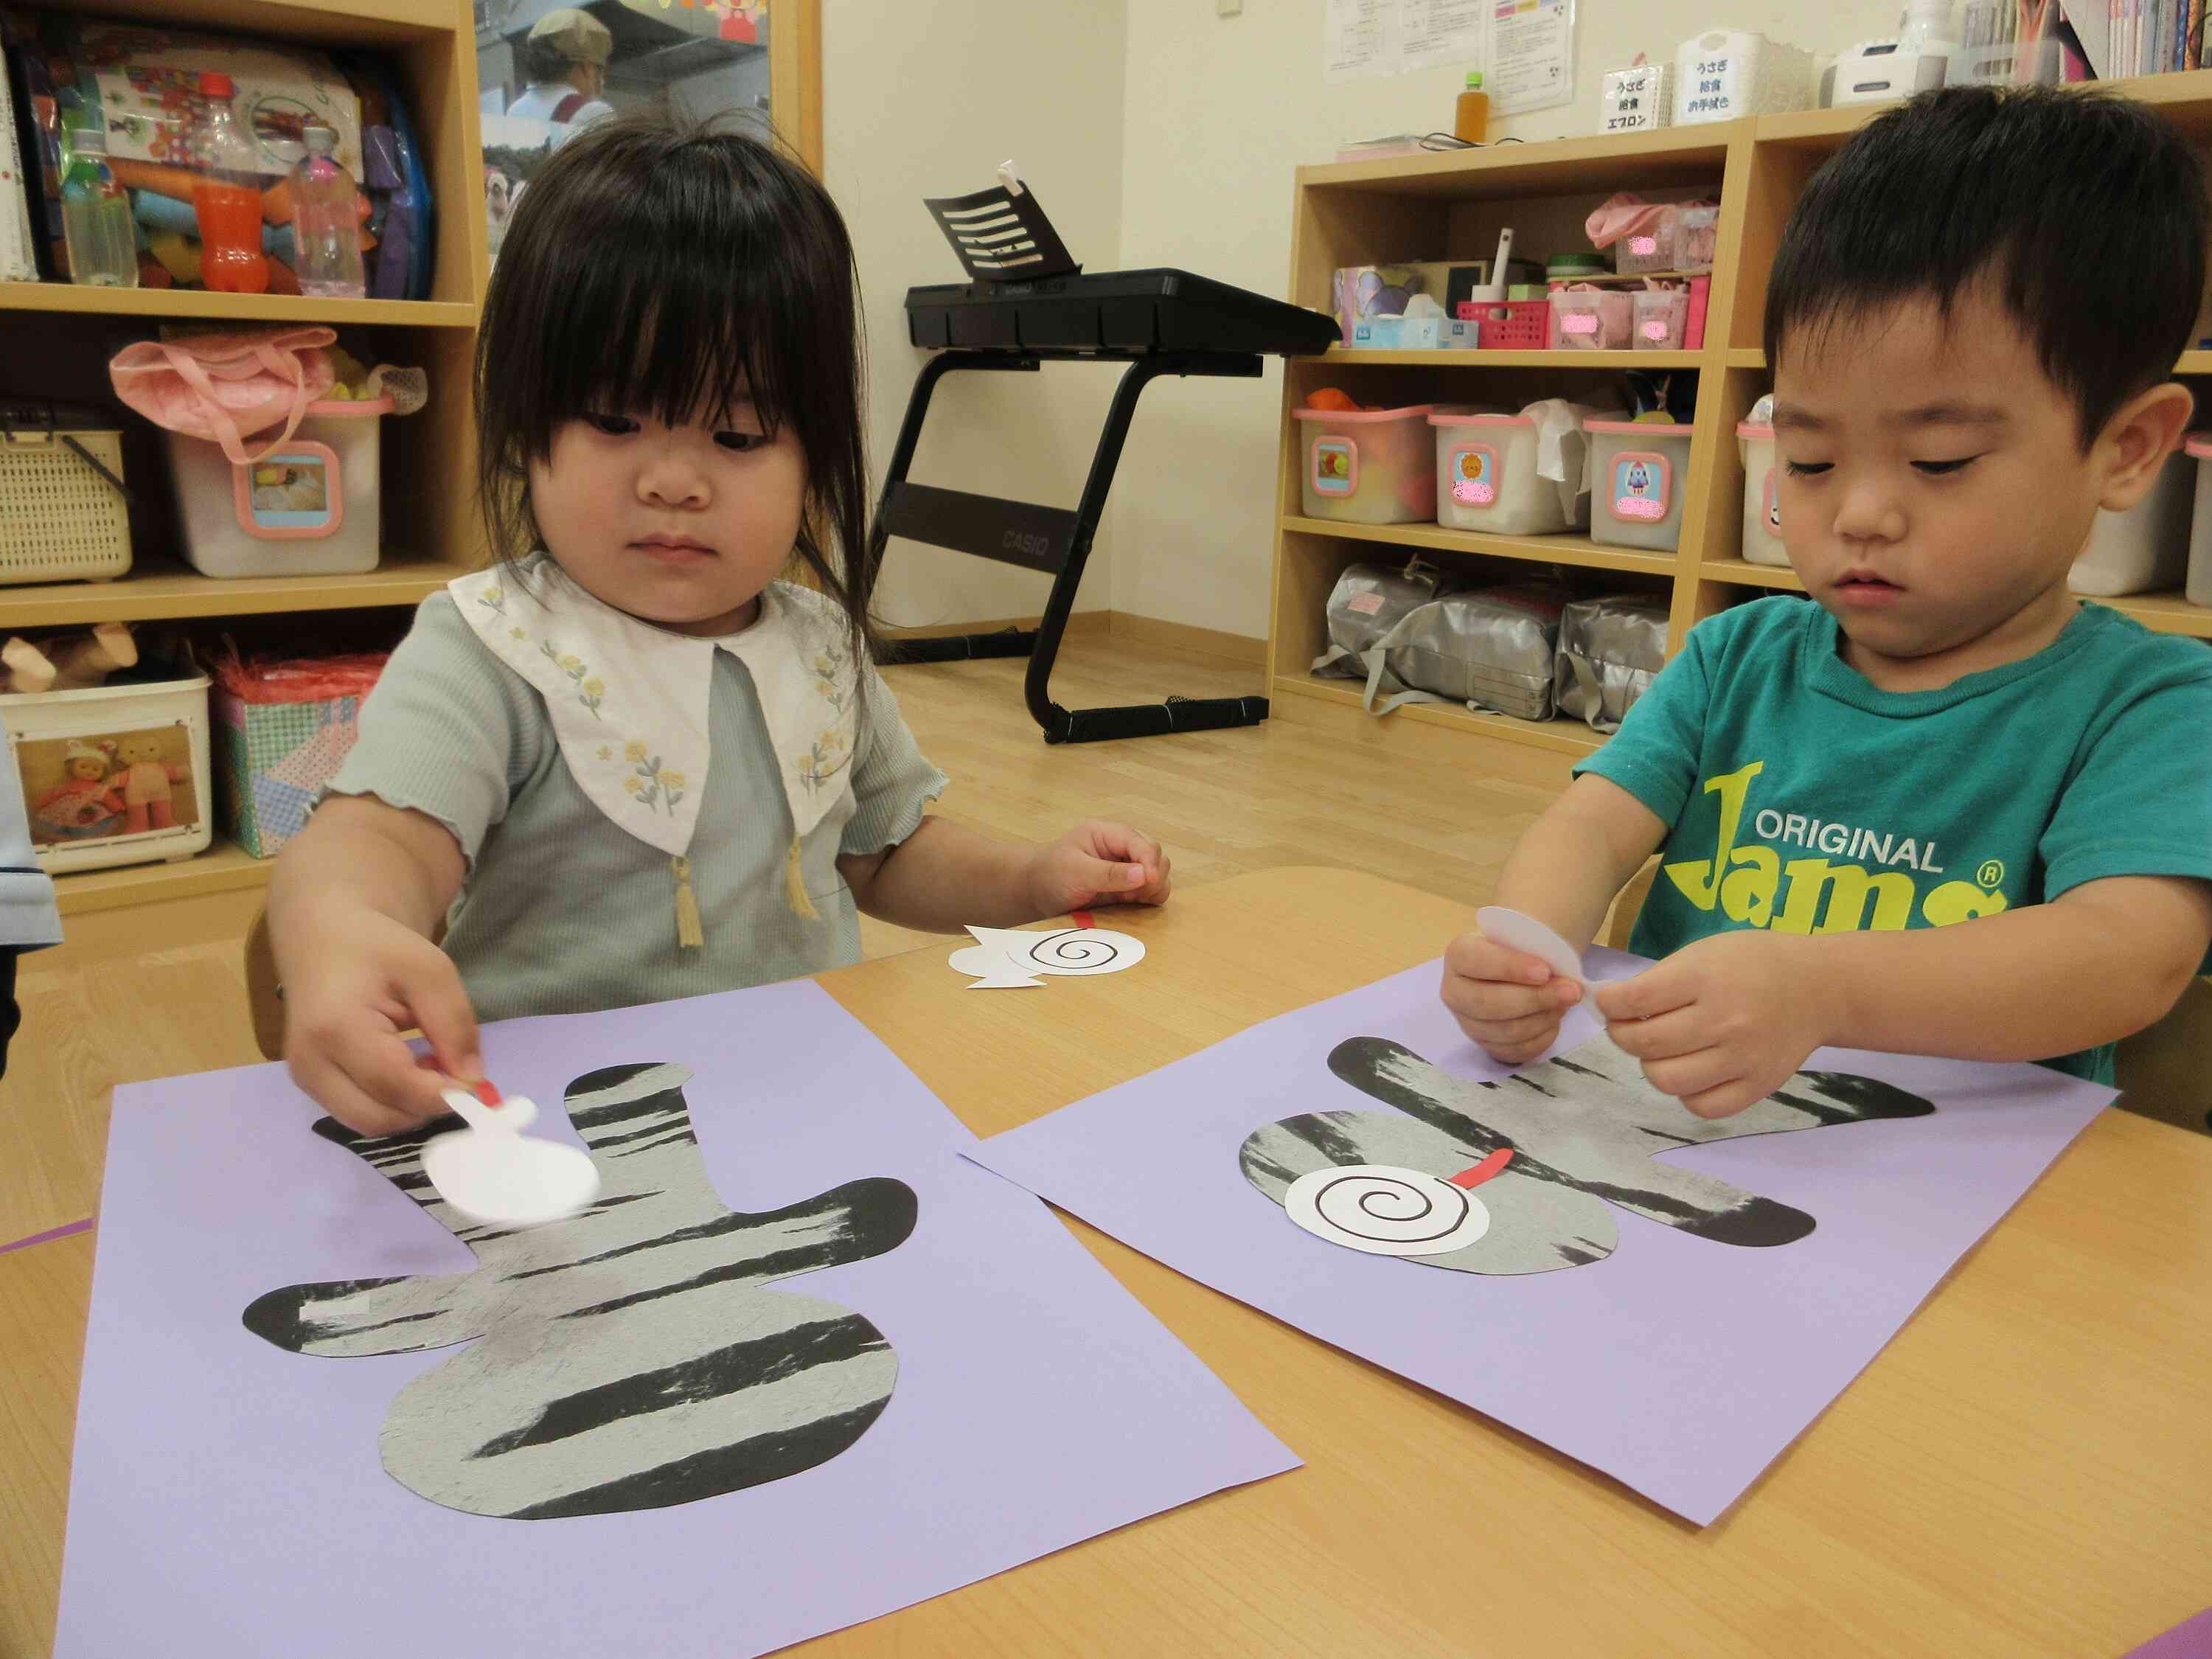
{"x":223,"y":386}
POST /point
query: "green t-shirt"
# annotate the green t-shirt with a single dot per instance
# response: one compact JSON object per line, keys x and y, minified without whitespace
{"x":1800,"y":797}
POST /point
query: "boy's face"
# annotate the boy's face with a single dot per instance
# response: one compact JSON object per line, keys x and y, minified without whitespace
{"x":1933,"y":487}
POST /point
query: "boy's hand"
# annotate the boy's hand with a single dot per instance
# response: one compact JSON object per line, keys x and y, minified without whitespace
{"x":1721,"y":1023}
{"x":372,"y":978}
{"x":1097,"y":863}
{"x":1508,"y":1002}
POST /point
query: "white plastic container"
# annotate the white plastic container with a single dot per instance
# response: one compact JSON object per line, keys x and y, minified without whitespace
{"x":1369,"y":466}
{"x":2199,"y":588}
{"x":1637,"y":470}
{"x":1762,"y":503}
{"x":2144,"y":548}
{"x":311,"y":508}
{"x":1725,"y":73}
{"x":1486,"y":476}
{"x":118,"y":775}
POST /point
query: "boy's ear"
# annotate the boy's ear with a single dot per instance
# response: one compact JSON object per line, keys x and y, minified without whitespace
{"x":2137,"y":440}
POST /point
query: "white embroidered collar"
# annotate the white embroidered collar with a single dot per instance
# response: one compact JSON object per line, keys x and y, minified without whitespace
{"x":629,"y":701}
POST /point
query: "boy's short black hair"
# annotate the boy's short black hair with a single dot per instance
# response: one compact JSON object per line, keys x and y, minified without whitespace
{"x":2086,"y":212}
{"x":663,"y":265}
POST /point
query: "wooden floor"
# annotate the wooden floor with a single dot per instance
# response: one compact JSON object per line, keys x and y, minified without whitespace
{"x":149,"y":993}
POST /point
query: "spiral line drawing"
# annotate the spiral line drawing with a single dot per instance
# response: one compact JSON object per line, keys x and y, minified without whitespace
{"x":1081,"y":951}
{"x":1386,"y":1211}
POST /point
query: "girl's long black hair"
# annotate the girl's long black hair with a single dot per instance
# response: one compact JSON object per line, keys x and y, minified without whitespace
{"x":661,"y":266}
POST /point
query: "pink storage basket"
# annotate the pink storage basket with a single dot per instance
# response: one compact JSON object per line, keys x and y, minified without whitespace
{"x":1368,"y":467}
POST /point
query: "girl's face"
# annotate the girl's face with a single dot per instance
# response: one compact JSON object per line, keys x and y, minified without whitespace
{"x":682,"y":525}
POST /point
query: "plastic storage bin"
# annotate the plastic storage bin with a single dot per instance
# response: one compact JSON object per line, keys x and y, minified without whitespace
{"x":2146,"y":546}
{"x":1654,"y":248}
{"x":1762,"y":506}
{"x":1486,"y":476}
{"x":60,"y":519}
{"x":1637,"y":469}
{"x":1590,"y":319}
{"x":1661,"y":318}
{"x":1369,"y":466}
{"x":309,"y":507}
{"x":118,"y":775}
{"x":2199,"y":590}
{"x":1698,"y":236}
{"x":1511,"y":324}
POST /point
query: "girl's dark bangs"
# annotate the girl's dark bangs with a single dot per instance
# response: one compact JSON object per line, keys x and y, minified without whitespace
{"x":700,"y":327}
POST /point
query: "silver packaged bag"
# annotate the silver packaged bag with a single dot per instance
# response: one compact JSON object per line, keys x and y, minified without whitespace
{"x":1610,"y":651}
{"x":1368,"y":601}
{"x":1491,"y":649}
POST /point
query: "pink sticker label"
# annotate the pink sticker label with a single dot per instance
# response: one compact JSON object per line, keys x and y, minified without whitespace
{"x":1640,"y":507}
{"x":1657,"y":329}
{"x":1578,"y":322}
{"x":1644,"y":246}
{"x":1472,"y":492}
{"x":1640,"y":487}
{"x":1364,"y":605}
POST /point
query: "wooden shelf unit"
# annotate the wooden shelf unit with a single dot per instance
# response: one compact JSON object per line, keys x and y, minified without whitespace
{"x":57,"y":334}
{"x":1451,"y":207}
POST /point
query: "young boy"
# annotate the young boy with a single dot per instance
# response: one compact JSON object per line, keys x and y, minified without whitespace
{"x":1943,"y":808}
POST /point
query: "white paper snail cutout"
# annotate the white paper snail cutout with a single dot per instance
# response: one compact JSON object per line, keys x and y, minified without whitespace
{"x":1006,"y":957}
{"x":491,"y":1172}
{"x":1386,"y":1210}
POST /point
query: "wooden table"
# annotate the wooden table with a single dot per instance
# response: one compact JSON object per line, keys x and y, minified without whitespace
{"x":2026,"y":1470}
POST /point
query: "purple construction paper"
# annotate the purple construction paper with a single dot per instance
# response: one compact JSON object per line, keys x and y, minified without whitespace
{"x":1680,"y":1366}
{"x":2191,"y":1639}
{"x":228,"y":1497}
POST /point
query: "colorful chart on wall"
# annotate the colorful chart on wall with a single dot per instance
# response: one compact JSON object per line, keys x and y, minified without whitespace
{"x":797,"y":1364}
{"x":1670,"y":1300}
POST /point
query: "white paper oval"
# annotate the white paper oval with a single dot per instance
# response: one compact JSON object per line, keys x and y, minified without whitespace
{"x":1386,"y":1211}
{"x":1076,"y":950}
{"x":507,"y":1179}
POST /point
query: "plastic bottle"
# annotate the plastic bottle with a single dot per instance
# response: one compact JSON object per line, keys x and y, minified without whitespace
{"x":1471,"y":120}
{"x":326,"y":223}
{"x":227,"y":199}
{"x":1926,"y":38}
{"x":103,"y":245}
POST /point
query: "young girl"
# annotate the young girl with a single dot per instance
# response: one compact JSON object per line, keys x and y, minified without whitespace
{"x":627,"y":763}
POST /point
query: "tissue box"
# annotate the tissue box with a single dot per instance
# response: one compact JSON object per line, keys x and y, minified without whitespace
{"x":1398,"y":333}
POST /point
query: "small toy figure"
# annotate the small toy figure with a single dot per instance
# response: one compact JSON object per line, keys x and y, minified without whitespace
{"x":82,"y":806}
{"x":141,"y":785}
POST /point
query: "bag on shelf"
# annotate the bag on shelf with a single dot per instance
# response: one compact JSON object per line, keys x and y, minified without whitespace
{"x":283,"y":728}
{"x":1610,"y":650}
{"x":1491,"y":649}
{"x":1368,"y":601}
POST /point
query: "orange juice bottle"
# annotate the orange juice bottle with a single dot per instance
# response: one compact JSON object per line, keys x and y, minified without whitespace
{"x":1470,"y":121}
{"x":226,"y":201}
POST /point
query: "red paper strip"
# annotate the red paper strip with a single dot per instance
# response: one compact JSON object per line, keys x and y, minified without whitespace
{"x":1481,"y":1172}
{"x":1082,"y":919}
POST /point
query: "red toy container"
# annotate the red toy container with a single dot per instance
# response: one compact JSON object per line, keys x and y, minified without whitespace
{"x":1511,"y":325}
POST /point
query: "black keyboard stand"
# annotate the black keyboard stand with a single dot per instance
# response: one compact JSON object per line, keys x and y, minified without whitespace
{"x":1048,"y":539}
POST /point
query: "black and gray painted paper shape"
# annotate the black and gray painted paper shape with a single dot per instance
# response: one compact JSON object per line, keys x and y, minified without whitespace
{"x":628,"y":1359}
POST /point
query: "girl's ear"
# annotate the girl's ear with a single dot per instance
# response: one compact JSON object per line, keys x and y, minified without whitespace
{"x":2137,"y":439}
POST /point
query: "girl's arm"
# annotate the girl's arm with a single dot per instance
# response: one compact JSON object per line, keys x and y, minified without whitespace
{"x":943,"y":877}
{"x":352,"y":904}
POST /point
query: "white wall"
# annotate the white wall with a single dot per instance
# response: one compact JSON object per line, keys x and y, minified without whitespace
{"x":926,"y":98}
{"x":1219,"y":112}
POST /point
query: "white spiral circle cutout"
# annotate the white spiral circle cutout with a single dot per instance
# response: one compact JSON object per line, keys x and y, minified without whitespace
{"x":1078,"y":951}
{"x":1386,"y":1211}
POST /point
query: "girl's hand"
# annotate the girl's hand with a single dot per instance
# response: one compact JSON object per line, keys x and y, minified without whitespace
{"x":371,"y":979}
{"x":1097,"y":863}
{"x":1721,"y":1023}
{"x":1508,"y":1002}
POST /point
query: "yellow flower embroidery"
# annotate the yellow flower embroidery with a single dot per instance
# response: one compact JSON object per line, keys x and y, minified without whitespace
{"x":671,"y":780}
{"x":633,"y":751}
{"x":520,"y":633}
{"x":605,"y":753}
{"x":571,"y":665}
{"x":633,"y":785}
{"x":595,"y":688}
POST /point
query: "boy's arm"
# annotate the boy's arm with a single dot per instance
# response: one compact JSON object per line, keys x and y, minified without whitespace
{"x":1725,"y":1021}
{"x":1568,"y":868}
{"x":943,"y":877}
